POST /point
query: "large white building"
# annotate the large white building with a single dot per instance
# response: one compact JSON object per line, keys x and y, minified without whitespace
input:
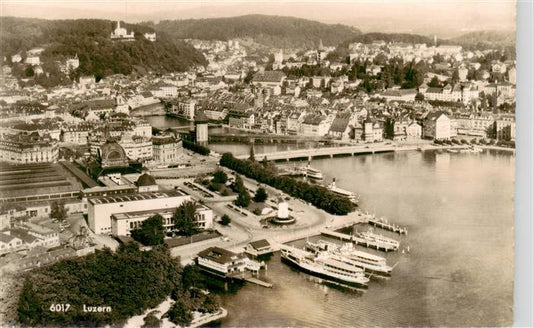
{"x":26,"y":149}
{"x":166,"y":149}
{"x":123,"y":223}
{"x":137,"y":148}
{"x":100,"y":209}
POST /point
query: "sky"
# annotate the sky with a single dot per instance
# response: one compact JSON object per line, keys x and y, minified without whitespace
{"x":444,"y":17}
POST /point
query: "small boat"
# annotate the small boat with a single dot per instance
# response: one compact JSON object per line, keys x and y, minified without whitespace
{"x":452,"y":150}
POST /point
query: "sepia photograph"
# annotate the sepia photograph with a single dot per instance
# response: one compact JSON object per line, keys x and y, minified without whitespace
{"x":258,"y":164}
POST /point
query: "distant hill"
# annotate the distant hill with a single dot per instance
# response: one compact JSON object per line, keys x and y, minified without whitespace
{"x":271,"y":31}
{"x":486,"y":39}
{"x":98,"y":54}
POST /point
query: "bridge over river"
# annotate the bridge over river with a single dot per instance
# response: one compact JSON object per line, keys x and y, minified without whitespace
{"x":327,"y":152}
{"x":345,"y":151}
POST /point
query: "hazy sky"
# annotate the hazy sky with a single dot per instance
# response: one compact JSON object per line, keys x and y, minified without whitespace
{"x":444,"y":17}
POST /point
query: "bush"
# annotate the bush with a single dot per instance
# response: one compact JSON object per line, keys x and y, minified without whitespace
{"x":220,"y":177}
{"x":225,"y":220}
{"x":260,"y":195}
{"x":244,"y":199}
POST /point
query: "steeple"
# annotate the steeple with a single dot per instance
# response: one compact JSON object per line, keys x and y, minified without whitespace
{"x":320,"y":45}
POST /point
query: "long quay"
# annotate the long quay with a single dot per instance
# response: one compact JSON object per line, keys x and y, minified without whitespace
{"x":380,"y":223}
{"x":358,"y":241}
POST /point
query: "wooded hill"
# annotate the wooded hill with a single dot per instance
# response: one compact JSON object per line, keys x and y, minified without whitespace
{"x":89,"y":39}
{"x":271,"y":31}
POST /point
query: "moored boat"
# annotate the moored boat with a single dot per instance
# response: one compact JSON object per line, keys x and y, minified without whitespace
{"x":354,"y":198}
{"x":369,"y":262}
{"x":310,"y":172}
{"x":379,"y":240}
{"x":325,"y":266}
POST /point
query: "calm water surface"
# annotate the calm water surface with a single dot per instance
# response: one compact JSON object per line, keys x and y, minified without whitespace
{"x":459,"y":271}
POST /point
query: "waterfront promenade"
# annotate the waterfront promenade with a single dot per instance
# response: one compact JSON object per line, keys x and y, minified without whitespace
{"x":244,"y":229}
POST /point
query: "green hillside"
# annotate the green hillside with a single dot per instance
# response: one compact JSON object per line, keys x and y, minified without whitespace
{"x":90,"y":40}
{"x":271,"y":31}
{"x":484,"y":39}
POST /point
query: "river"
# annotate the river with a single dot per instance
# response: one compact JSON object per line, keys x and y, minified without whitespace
{"x":459,"y":271}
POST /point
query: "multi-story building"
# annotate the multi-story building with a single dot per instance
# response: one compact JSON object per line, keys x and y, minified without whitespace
{"x":77,"y":134}
{"x":184,"y":109}
{"x":123,"y":223}
{"x":315,"y":125}
{"x":166,"y":149}
{"x":137,"y":148}
{"x":437,"y":126}
{"x":26,"y":149}
{"x":505,"y":127}
{"x":413,"y":131}
{"x":100,"y":209}
{"x":9,"y":243}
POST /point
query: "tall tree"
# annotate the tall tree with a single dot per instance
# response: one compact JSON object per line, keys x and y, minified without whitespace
{"x":455,"y":76}
{"x":184,"y":219}
{"x":220,"y":177}
{"x":151,"y":232}
{"x":252,"y":154}
{"x":238,"y":185}
{"x":260,"y":195}
{"x":58,"y":211}
{"x":244,"y":199}
{"x":389,"y":128}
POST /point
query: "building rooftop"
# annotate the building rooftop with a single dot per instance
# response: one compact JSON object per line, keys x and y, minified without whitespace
{"x":260,"y":244}
{"x":146,"y":180}
{"x":35,"y":179}
{"x":134,"y":197}
{"x":268,"y":76}
{"x":219,"y":255}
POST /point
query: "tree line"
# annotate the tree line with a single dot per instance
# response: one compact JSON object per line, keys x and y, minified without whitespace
{"x":317,"y":195}
{"x":187,"y":144}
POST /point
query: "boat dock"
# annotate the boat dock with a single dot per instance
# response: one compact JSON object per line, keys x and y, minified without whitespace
{"x":357,"y":240}
{"x":381,"y":223}
{"x":258,"y":282}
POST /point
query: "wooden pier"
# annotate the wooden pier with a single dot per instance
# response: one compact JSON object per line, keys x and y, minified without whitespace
{"x":381,"y":223}
{"x":357,"y":240}
{"x":258,"y":282}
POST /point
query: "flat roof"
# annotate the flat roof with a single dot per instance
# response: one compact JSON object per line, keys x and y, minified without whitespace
{"x":133,"y":215}
{"x":36,"y":179}
{"x":134,"y":197}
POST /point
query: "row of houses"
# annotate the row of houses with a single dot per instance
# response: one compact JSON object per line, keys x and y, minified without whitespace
{"x":26,"y":237}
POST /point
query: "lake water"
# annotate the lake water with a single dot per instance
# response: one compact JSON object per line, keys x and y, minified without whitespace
{"x":459,"y":271}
